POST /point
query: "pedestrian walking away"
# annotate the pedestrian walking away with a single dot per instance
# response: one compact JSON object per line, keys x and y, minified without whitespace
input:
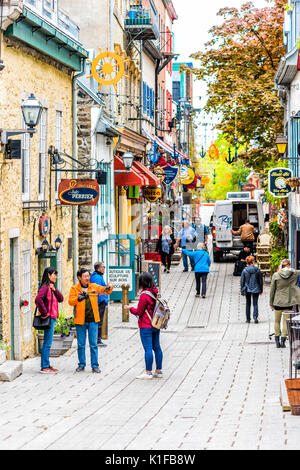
{"x":97,"y":277}
{"x":47,"y":301}
{"x":165,"y":247}
{"x":202,"y":264}
{"x":251,"y":287}
{"x":247,"y":233}
{"x":187,"y":238}
{"x":84,"y":297}
{"x":150,"y":336}
{"x":284,"y":295}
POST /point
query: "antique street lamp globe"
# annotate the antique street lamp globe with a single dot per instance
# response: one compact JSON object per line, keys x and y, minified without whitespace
{"x":128,"y":160}
{"x":58,"y":243}
{"x":45,"y":245}
{"x":31,"y":110}
{"x":281,"y":143}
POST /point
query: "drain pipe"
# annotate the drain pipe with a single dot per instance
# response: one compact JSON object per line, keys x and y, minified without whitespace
{"x":74,"y":154}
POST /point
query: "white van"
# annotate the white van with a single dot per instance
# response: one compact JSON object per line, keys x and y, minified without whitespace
{"x":231,"y":214}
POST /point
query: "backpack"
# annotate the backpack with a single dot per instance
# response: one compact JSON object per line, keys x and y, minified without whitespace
{"x":161,"y":313}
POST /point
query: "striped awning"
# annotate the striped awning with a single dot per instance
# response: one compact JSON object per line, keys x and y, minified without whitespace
{"x":166,"y":147}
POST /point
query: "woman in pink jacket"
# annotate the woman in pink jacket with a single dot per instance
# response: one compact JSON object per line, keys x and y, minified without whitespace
{"x":149,"y":336}
{"x":47,"y":302}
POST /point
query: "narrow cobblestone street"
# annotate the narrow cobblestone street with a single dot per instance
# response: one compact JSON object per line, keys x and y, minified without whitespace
{"x":220,"y":390}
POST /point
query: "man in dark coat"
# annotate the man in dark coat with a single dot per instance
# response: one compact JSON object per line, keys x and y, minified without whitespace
{"x":240,"y":264}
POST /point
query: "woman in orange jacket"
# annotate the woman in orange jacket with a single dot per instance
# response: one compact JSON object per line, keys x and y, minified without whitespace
{"x":84,"y":297}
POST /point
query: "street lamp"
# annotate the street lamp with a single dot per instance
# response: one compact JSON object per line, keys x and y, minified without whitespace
{"x":128,"y":160}
{"x":31,"y":110}
{"x":57,"y":242}
{"x":281,"y":143}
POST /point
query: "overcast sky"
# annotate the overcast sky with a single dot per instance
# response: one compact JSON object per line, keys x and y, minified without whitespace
{"x":195,"y":18}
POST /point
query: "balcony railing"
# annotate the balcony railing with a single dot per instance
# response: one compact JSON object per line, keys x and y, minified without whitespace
{"x":54,"y":16}
{"x":141,"y":23}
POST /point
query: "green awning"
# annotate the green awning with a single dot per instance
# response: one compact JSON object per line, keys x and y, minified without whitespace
{"x":41,"y":35}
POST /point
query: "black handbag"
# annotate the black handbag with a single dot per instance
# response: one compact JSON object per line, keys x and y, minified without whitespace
{"x":40,"y":323}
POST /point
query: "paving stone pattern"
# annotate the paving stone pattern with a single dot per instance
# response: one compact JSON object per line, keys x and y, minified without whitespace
{"x":220,"y":388}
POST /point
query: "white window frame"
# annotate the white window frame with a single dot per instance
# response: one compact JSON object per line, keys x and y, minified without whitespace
{"x":43,"y":155}
{"x":26,"y":295}
{"x":58,"y":136}
{"x":25,"y":165}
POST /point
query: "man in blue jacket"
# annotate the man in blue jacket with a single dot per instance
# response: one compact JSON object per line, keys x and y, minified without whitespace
{"x":97,"y":278}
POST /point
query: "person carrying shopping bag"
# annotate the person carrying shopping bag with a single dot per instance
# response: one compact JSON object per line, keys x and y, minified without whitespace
{"x":202,"y":264}
{"x":165,"y":247}
{"x":150,"y":336}
{"x":284,"y":295}
{"x":47,"y":301}
{"x":252,"y":286}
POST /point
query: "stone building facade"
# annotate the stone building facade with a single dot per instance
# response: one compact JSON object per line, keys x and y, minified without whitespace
{"x":29,"y":208}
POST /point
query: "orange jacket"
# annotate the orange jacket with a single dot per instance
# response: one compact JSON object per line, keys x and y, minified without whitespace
{"x":93,"y":291}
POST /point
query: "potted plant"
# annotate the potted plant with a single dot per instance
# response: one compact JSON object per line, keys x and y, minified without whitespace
{"x":63,"y":335}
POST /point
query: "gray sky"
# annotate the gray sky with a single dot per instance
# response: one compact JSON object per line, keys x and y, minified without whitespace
{"x":196,"y":17}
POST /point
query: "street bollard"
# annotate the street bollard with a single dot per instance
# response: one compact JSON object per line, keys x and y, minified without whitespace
{"x":104,"y":329}
{"x":125,"y":301}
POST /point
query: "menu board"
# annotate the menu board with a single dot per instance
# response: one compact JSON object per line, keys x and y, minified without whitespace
{"x":154,"y":268}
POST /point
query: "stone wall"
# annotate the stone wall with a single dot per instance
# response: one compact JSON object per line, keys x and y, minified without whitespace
{"x":53,"y":87}
{"x":85,"y":223}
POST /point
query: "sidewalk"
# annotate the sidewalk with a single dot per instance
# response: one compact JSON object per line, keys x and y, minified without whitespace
{"x":220,"y":388}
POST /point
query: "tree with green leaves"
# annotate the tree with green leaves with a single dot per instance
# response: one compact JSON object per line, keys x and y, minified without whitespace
{"x":239,"y":64}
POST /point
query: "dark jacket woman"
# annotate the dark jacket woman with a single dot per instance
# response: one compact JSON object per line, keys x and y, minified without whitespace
{"x":251,"y":287}
{"x":165,"y":247}
{"x":47,"y":303}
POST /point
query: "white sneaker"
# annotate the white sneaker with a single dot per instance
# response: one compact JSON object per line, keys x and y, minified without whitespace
{"x":158,"y":375}
{"x":144,"y":376}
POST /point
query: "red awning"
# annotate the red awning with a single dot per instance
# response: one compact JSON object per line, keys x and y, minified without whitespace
{"x":127,"y":179}
{"x":147,"y":174}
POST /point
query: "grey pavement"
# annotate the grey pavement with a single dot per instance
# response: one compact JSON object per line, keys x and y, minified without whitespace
{"x":220,"y":390}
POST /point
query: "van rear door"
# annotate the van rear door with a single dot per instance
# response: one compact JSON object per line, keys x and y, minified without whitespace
{"x":223,"y":223}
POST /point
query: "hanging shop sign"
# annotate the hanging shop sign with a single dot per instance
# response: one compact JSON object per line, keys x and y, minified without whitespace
{"x":249,"y":187}
{"x":152,"y":193}
{"x":170,"y":174}
{"x":78,"y":192}
{"x":278,"y":177}
{"x":186,"y":175}
{"x":160,"y":173}
{"x":108,"y":68}
{"x":44,"y":225}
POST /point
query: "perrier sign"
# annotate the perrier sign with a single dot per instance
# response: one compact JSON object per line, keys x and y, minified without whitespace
{"x":278,"y":177}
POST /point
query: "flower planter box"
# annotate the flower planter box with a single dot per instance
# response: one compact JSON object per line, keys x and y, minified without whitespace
{"x":56,"y":347}
{"x":293,"y":391}
{"x":67,"y":342}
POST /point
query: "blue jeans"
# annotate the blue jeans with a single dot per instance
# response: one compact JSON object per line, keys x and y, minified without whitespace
{"x":150,"y":341}
{"x":185,"y":261}
{"x":81,"y":330}
{"x":248,"y":305}
{"x":48,"y":337}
